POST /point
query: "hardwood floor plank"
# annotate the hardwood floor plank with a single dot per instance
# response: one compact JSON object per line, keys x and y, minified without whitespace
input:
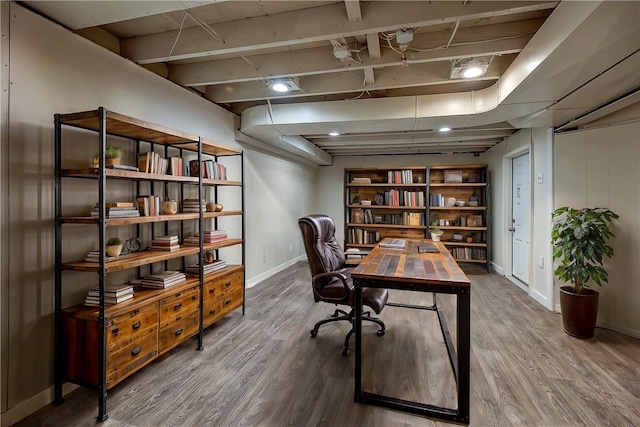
{"x":264,"y":369}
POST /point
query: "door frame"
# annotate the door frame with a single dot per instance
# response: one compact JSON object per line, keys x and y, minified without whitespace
{"x":507,"y":167}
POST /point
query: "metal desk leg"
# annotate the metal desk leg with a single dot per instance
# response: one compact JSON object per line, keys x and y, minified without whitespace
{"x":358,"y":333}
{"x":464,"y":346}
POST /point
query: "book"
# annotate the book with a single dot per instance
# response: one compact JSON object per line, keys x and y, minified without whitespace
{"x":94,"y":256}
{"x":118,"y":205}
{"x":166,"y":238}
{"x":164,"y":248}
{"x":112,"y":290}
{"x":427,"y":248}
{"x":392,"y":244}
{"x":95,"y":300}
{"x":123,"y":167}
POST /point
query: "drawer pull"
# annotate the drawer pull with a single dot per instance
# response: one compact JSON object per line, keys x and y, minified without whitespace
{"x":179,"y":331}
{"x":178,"y":318}
{"x":178,"y":295}
{"x":136,"y":351}
{"x":136,"y":311}
{"x":227,"y":302}
{"x":177,"y":306}
{"x":193,"y":297}
{"x":136,"y":325}
{"x":212,"y":311}
{"x":212,"y":291}
{"x":226,"y":285}
{"x":115,"y":330}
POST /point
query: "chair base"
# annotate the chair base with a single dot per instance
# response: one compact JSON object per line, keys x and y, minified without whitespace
{"x":340,"y":315}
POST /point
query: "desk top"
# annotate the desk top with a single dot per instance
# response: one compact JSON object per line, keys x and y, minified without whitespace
{"x":408,"y":265}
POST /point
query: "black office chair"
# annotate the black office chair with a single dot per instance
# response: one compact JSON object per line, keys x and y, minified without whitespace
{"x":331,"y":282}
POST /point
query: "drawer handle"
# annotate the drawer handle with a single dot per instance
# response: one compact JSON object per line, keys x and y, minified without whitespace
{"x":136,"y":311}
{"x":227,"y":302}
{"x":193,"y":297}
{"x":212,"y":291}
{"x":136,"y":351}
{"x":178,"y":295}
{"x":115,"y":330}
{"x":212,"y":311}
{"x":227,"y":284}
{"x":177,"y":306}
{"x":179,"y":331}
{"x":136,"y":325}
{"x":178,"y":318}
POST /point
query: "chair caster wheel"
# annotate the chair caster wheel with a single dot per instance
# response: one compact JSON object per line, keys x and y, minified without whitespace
{"x":314,"y":333}
{"x":345,"y":351}
{"x":380,"y":333}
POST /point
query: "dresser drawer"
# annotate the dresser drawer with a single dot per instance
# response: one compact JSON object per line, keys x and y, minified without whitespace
{"x":127,"y":328}
{"x":231,"y":300}
{"x":218,"y":286}
{"x":181,"y":328}
{"x":131,"y":357}
{"x":212,"y":310}
{"x":179,"y":305}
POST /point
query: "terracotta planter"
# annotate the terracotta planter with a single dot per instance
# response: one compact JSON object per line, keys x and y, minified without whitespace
{"x":579,"y":312}
{"x":113,"y":250}
{"x":112,"y":161}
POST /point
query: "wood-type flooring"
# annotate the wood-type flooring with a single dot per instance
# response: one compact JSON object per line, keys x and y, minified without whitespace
{"x":264,"y":369}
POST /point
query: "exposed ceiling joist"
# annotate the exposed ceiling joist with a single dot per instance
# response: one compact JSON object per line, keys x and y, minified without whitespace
{"x":306,"y":26}
{"x":353,"y":10}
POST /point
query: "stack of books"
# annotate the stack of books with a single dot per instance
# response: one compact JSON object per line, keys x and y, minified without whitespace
{"x":162,"y":280}
{"x":208,"y":236}
{"x":117,"y":210}
{"x":207,"y":268}
{"x":193,"y":206}
{"x":113,"y":294}
{"x":94,"y":256}
{"x":165,"y":243}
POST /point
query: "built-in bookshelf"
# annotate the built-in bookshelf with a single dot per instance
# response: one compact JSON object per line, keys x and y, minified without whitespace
{"x":384,"y":202}
{"x":106,"y":337}
{"x":459,"y":206}
{"x":409,"y":202}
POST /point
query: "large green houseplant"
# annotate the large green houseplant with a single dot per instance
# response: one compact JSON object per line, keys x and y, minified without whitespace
{"x":579,"y":239}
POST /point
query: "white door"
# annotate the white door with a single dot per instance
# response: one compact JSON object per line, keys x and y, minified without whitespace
{"x":521,"y":218}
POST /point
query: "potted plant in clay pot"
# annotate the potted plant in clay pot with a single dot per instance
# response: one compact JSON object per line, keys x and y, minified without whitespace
{"x":436,"y":233}
{"x":579,"y":240}
{"x":113,"y":246}
{"x":112,"y":155}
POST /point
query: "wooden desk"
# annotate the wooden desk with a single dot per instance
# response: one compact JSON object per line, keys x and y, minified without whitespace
{"x":407,"y":269}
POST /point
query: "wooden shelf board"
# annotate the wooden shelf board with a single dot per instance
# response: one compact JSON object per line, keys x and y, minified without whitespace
{"x":403,"y":208}
{"x":452,"y":227}
{"x":415,"y":227}
{"x":456,"y":167}
{"x":475,"y":261}
{"x":361,"y":245}
{"x":129,"y":127}
{"x":138,"y":259}
{"x":94,"y":173}
{"x":145,"y":219}
{"x":458,"y":184}
{"x":419,"y":184}
{"x":458,"y":208}
{"x":458,"y":244}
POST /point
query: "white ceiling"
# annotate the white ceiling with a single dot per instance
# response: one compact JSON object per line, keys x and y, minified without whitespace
{"x":550,"y":63}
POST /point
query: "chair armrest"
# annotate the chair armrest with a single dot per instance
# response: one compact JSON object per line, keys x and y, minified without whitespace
{"x":338,"y":274}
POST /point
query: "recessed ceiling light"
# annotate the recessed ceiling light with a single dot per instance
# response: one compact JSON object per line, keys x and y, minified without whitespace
{"x":444,"y":129}
{"x":280,"y":87}
{"x":334,"y":133}
{"x":472,"y":72}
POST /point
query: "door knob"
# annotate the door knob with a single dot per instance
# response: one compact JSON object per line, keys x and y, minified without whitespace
{"x":512,"y":229}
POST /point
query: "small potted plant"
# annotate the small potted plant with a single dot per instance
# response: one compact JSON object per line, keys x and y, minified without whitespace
{"x":579,"y":240}
{"x":112,"y":155}
{"x":113,"y":246}
{"x":436,"y":233}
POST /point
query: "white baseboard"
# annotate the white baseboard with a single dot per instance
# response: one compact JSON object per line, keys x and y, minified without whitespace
{"x":260,"y":277}
{"x":518,"y":283}
{"x":30,"y":406}
{"x":541,"y":299}
{"x":626,"y":331}
{"x":495,"y":267}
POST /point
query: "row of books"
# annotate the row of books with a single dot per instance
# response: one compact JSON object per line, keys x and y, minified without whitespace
{"x":149,"y":205}
{"x":207,"y":267}
{"x":404,"y":176}
{"x":469,"y":253}
{"x":396,"y":197}
{"x":163,"y":280}
{"x":117,"y":210}
{"x":113,"y":294}
{"x":209,"y":169}
{"x":363,"y":237}
{"x":152,"y":162}
{"x":208,"y":236}
{"x":165,"y":243}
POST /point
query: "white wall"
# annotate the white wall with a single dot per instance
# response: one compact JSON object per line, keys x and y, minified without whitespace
{"x":539,"y":143}
{"x":52,"y":70}
{"x":599,"y":167}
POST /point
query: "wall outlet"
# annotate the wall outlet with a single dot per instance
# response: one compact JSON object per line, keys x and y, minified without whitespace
{"x":290,"y":248}
{"x":541,"y":262}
